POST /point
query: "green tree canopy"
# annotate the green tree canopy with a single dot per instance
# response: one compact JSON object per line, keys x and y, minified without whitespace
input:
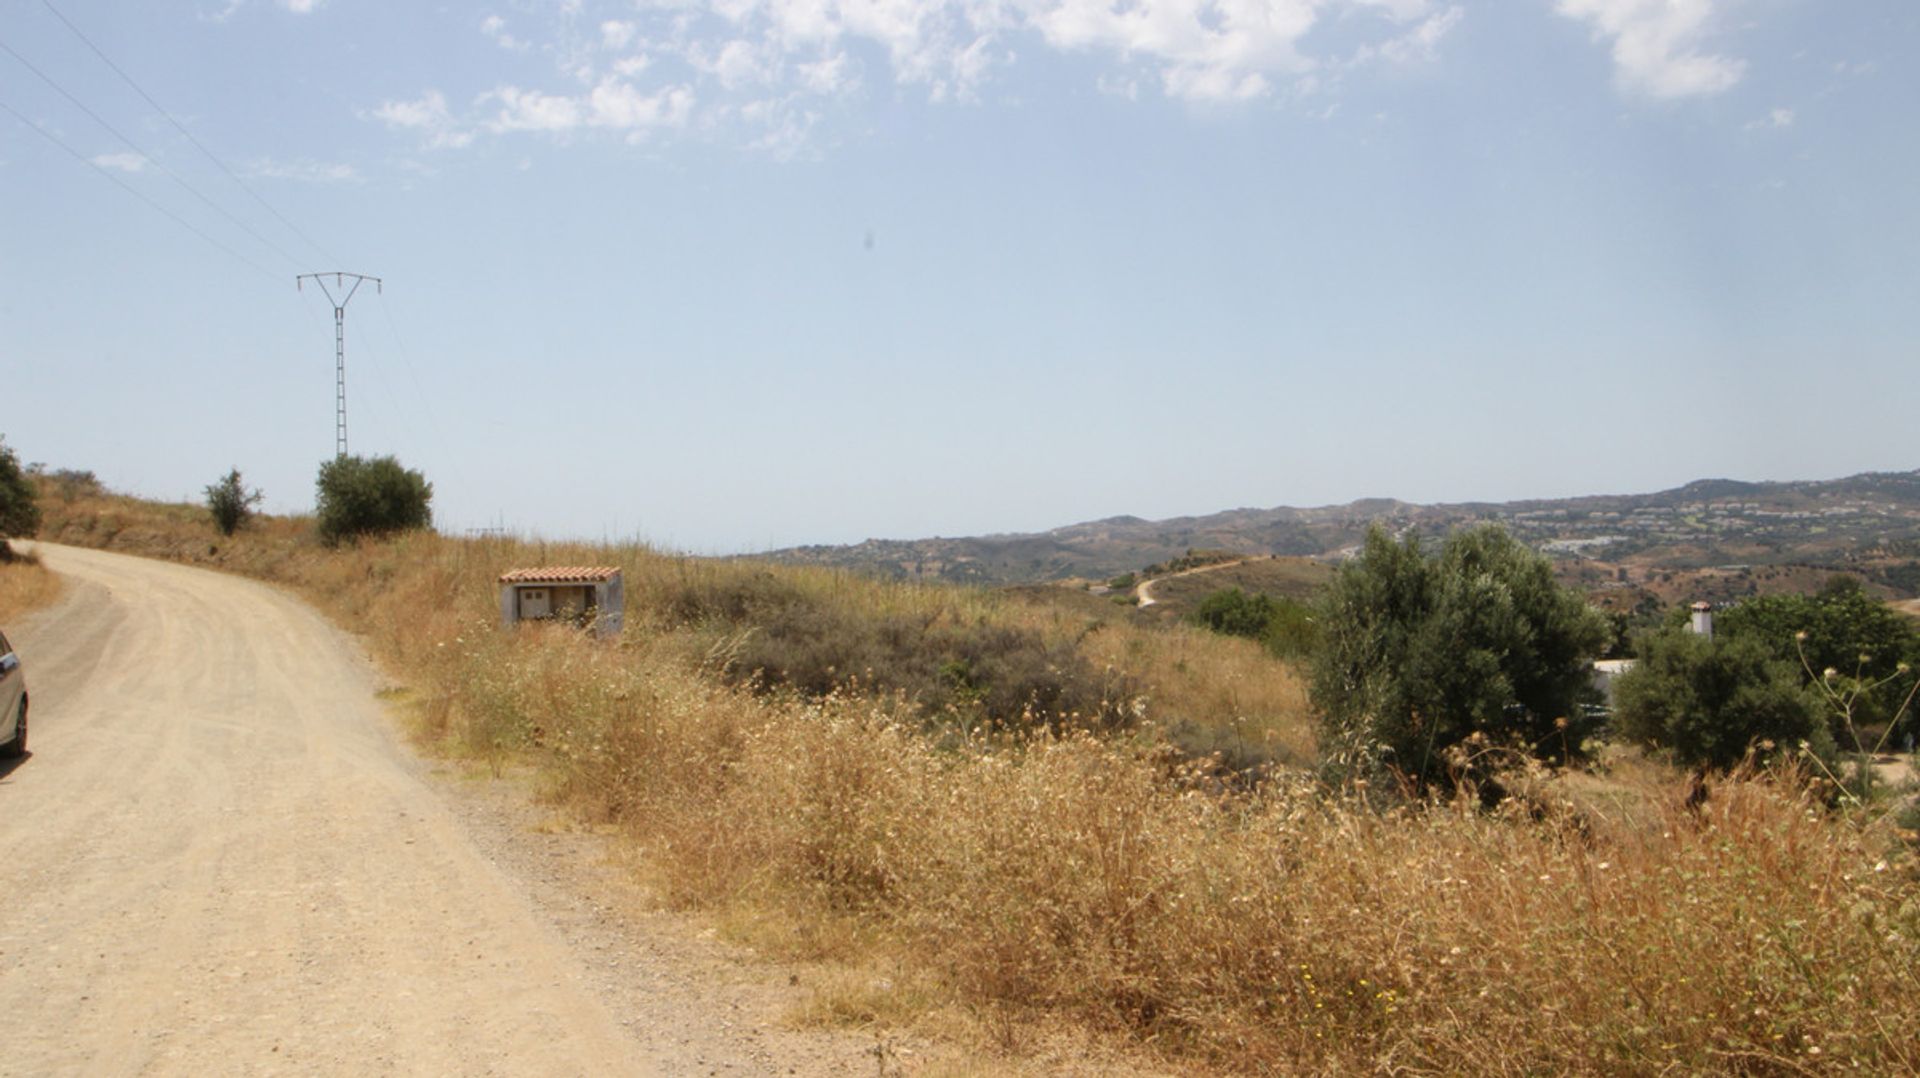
{"x":1419,"y":654}
{"x":1236,"y":613}
{"x":1709,"y":701}
{"x":19,"y":513}
{"x":1285,"y":626}
{"x":361,"y":496}
{"x":1845,"y":630}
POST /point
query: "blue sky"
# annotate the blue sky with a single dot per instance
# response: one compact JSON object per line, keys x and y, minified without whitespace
{"x":748,"y":273}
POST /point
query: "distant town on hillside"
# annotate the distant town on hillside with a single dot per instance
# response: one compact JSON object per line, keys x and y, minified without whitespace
{"x":1736,"y":537}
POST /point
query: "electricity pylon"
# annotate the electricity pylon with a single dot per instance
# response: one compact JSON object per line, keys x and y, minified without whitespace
{"x":339,"y":342}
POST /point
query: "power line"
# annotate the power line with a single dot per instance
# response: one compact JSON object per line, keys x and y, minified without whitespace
{"x":425,"y":399}
{"x":188,"y":135}
{"x":161,"y":165}
{"x":135,"y":192}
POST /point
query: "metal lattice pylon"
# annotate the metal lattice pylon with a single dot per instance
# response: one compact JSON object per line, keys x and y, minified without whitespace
{"x":339,"y":341}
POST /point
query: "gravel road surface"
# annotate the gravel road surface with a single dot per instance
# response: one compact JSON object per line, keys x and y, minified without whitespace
{"x":217,"y":859}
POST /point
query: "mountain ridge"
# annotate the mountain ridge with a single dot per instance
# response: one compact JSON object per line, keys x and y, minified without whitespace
{"x":1710,"y":521}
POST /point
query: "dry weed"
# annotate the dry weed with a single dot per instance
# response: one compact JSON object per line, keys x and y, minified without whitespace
{"x":25,"y":586}
{"x":1600,"y":926}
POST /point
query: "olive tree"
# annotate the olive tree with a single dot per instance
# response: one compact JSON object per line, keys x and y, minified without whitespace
{"x":1419,"y":654}
{"x":1709,"y":702}
{"x":361,"y":496}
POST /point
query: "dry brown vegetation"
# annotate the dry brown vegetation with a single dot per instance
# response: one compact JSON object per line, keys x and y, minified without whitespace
{"x":1080,"y":868}
{"x":25,"y":586}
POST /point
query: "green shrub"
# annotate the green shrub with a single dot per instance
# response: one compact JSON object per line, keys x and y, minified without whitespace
{"x":1236,"y":613}
{"x":1842,"y":629}
{"x":231,"y":503}
{"x":1708,"y":702}
{"x":19,"y":513}
{"x":1293,"y":632}
{"x":1286,"y":626}
{"x":358,"y":496}
{"x":1420,"y":654}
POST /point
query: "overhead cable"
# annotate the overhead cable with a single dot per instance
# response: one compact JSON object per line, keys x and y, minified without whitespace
{"x":188,"y":135}
{"x":157,"y":163}
{"x":137,"y":193}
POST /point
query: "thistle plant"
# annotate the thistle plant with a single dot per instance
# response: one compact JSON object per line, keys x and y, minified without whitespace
{"x":1844,"y":694}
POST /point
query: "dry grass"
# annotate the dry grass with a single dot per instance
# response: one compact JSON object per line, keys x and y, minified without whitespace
{"x":1109,"y":882}
{"x":1293,"y":578}
{"x":25,"y":586}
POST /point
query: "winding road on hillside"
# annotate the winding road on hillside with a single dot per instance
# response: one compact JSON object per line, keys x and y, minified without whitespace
{"x":1143,"y":591}
{"x":218,"y":859}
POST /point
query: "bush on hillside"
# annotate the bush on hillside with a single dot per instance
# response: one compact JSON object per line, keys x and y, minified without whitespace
{"x":998,"y":676}
{"x":68,"y":483}
{"x":1420,"y":654}
{"x":1708,"y":702}
{"x":231,"y":503}
{"x":19,"y":514}
{"x":1285,"y":626}
{"x":358,"y":496}
{"x":1236,"y":613}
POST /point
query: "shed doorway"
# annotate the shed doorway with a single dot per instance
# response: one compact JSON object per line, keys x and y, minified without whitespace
{"x":535,"y":603}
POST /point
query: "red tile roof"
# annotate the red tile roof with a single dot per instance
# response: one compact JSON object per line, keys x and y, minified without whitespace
{"x":560,"y":574}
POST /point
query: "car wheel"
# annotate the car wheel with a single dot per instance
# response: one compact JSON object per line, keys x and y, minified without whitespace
{"x":18,"y":746}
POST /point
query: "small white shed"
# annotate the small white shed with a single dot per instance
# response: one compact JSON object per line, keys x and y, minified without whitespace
{"x":1605,"y":672}
{"x":591,"y":596}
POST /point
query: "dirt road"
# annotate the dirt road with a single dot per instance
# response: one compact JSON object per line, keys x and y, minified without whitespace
{"x":217,"y":859}
{"x":1143,"y":592}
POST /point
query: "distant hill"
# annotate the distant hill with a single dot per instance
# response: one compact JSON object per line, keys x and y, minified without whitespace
{"x":1868,"y":523}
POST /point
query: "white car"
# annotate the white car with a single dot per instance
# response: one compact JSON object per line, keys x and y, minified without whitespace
{"x":13,"y":702}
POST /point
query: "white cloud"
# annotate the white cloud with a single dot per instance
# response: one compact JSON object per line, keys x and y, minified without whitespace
{"x":297,"y":7}
{"x":304,"y":171}
{"x":613,"y":104}
{"x":1205,"y":49}
{"x":495,"y":27}
{"x":1420,"y":44}
{"x":430,"y":110}
{"x":826,"y":77}
{"x":736,"y":63}
{"x":785,"y":132}
{"x":1657,"y":44}
{"x":620,"y":105}
{"x":617,"y":34}
{"x":125,"y":162}
{"x":531,"y":110}
{"x":1774,"y":120}
{"x":640,"y":65}
{"x":1201,"y":49}
{"x":427,"y":114}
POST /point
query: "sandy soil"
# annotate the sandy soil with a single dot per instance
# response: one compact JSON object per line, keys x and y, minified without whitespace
{"x":218,"y":859}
